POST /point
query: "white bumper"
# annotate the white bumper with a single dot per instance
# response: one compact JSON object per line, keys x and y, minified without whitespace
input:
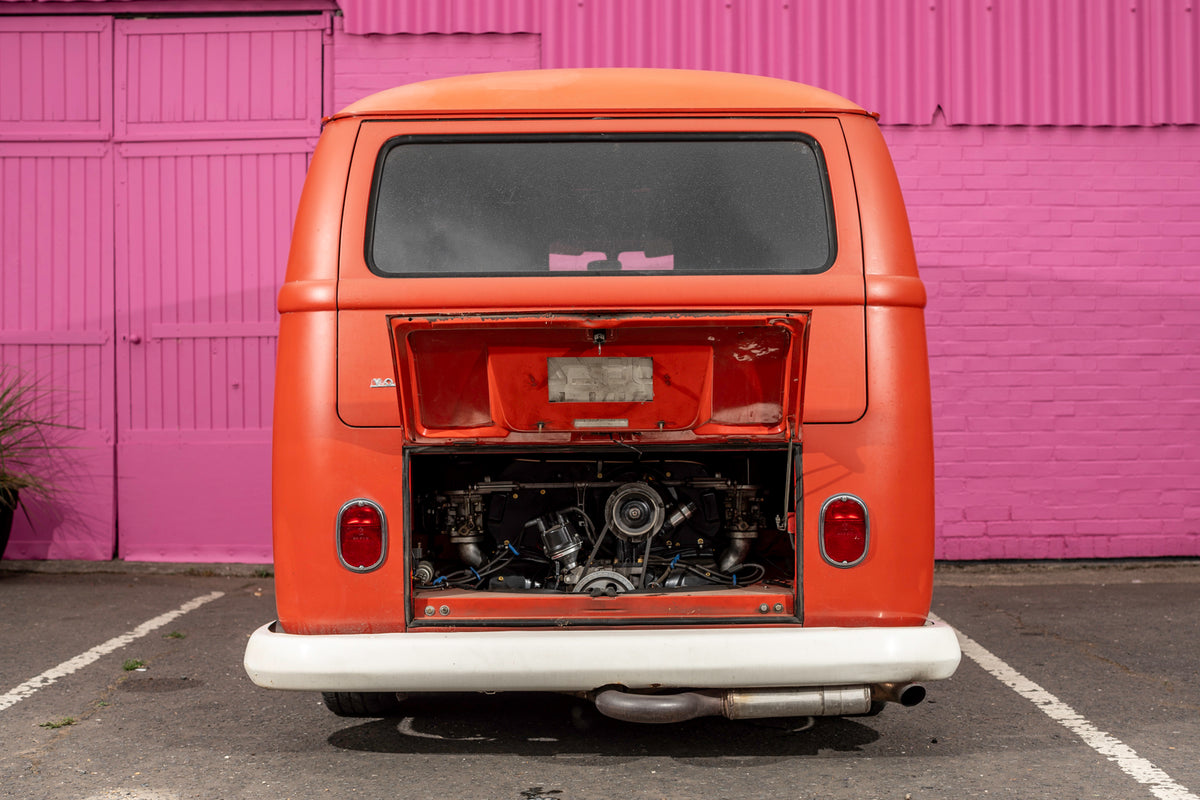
{"x":582,"y":660}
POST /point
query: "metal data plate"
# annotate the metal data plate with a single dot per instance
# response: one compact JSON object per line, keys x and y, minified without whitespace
{"x":601,"y":380}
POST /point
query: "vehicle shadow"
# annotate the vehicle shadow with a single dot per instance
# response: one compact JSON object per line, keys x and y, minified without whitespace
{"x":561,"y":727}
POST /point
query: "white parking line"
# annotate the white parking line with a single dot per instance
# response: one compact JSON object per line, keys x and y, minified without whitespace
{"x":116,"y":643}
{"x":1160,"y":783}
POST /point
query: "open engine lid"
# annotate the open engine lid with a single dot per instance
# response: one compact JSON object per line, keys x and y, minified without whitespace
{"x":561,"y":378}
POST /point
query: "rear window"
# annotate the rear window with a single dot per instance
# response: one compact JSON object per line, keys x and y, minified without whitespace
{"x":574,"y":205}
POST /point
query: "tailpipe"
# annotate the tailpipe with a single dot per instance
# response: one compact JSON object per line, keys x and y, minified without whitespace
{"x":821,"y":701}
{"x":906,"y":694}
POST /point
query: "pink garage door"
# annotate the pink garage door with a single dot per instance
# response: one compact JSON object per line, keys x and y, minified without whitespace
{"x":56,"y":266}
{"x":214,"y":121}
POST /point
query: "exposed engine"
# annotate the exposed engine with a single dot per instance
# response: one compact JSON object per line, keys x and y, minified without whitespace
{"x":600,"y":525}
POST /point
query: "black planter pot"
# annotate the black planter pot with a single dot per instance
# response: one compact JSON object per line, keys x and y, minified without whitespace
{"x":8,"y":507}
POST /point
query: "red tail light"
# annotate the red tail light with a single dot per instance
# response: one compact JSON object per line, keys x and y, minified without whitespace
{"x":362,"y":535}
{"x":844,"y":530}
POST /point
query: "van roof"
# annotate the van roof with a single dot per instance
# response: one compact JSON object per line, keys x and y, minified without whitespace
{"x":599,"y":90}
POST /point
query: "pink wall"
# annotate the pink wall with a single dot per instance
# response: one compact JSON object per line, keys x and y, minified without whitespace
{"x":1064,"y":327}
{"x":214,"y":123}
{"x":57,"y":267}
{"x":151,"y":169}
{"x":363,"y":65}
{"x":1063,"y":324}
{"x":1060,"y":261}
{"x":1060,"y":249}
{"x":1014,"y":62}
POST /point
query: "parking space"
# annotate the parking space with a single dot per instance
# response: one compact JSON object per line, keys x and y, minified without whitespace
{"x":1115,"y":645}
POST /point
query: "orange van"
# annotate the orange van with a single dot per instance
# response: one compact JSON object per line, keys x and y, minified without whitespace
{"x":607,"y":382}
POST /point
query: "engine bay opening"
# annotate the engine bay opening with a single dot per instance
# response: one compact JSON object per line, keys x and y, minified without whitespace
{"x":602,"y":523}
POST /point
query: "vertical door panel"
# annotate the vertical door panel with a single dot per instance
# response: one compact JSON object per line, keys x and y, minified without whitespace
{"x":57,"y":82}
{"x":203,"y":79}
{"x":56,"y":268}
{"x":214,"y":134}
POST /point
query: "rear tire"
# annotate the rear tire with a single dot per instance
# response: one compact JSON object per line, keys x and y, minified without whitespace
{"x":362,"y":704}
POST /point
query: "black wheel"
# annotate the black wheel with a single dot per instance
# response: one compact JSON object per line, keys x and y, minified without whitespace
{"x":362,"y":704}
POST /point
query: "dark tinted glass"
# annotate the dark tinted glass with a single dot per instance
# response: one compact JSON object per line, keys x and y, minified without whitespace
{"x":564,"y":206}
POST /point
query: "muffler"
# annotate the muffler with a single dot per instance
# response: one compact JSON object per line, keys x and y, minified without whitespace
{"x":821,"y":701}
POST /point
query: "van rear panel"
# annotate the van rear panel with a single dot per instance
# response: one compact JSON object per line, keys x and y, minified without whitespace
{"x":547,"y":363}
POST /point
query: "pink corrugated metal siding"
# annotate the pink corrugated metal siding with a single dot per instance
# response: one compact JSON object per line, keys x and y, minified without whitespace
{"x":442,"y":16}
{"x":1072,"y":62}
{"x":1173,"y":55}
{"x":875,"y":51}
{"x":856,"y":48}
{"x":985,"y":62}
{"x":367,"y":64}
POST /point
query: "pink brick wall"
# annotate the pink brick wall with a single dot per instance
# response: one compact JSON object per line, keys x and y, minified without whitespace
{"x":1063,"y":267}
{"x":363,"y":65}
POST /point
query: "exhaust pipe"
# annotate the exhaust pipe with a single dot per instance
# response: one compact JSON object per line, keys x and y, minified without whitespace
{"x":822,"y":701}
{"x":906,"y":694}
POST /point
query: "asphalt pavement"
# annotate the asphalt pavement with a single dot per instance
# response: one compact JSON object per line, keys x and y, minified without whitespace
{"x":125,"y":681}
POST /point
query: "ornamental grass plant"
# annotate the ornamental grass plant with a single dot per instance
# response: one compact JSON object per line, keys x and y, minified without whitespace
{"x":27,"y":443}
